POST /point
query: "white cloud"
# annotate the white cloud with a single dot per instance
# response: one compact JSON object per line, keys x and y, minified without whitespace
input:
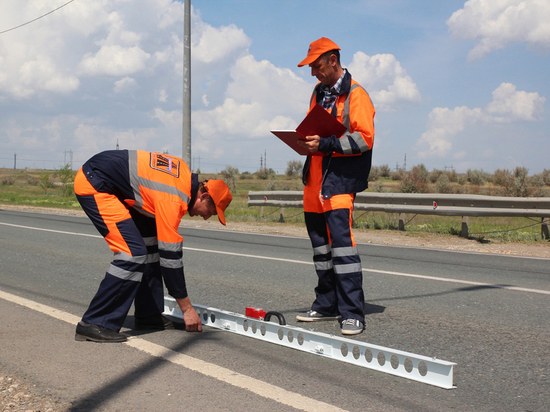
{"x":444,"y":123}
{"x":494,"y":24}
{"x":508,"y":105}
{"x":258,"y":98}
{"x":114,"y":60}
{"x":385,"y":80}
{"x":127,"y":84}
{"x":215,"y":44}
{"x":109,"y":70}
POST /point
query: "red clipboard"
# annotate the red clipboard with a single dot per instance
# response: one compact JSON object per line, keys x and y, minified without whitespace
{"x":317,"y":122}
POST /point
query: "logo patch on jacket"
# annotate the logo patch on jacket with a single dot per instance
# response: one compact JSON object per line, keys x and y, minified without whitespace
{"x":166,"y":164}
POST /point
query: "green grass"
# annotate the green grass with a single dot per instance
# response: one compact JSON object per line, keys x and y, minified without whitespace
{"x":24,"y":188}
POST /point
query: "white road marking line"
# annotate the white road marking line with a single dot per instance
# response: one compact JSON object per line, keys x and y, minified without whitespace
{"x":263,"y":389}
{"x":51,"y":230}
{"x":383,"y":272}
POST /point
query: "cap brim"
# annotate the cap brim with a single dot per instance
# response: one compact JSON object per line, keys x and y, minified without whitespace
{"x":221,"y":215}
{"x":308,"y":60}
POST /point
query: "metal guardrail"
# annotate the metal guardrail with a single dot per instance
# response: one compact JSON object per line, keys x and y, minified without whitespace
{"x":424,"y":203}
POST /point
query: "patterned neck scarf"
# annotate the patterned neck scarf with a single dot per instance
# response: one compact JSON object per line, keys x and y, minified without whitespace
{"x":331,"y":93}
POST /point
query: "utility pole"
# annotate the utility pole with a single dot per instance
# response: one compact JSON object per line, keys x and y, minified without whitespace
{"x":15,"y":161}
{"x":186,"y":135}
{"x":65,"y":158}
{"x":405,"y":163}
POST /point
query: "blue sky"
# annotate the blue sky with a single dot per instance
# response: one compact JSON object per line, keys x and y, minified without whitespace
{"x":455,"y":84}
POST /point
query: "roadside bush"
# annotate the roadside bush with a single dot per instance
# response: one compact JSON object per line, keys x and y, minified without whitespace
{"x":434,"y":175}
{"x":516,"y":184}
{"x":385,"y":171}
{"x":294,"y":168}
{"x":443,"y":184}
{"x":501,"y":177}
{"x":416,"y":181}
{"x":374,"y":174}
{"x":229,"y":175}
{"x":398,"y":175}
{"x":536,"y":181}
{"x":245,"y":175}
{"x":33,"y":181}
{"x":546,"y":176}
{"x":476,"y":177}
{"x":265,"y":174}
{"x":453,"y":176}
{"x":8,"y":181}
{"x":66,"y":175}
{"x":378,"y":187}
{"x":45,"y":182}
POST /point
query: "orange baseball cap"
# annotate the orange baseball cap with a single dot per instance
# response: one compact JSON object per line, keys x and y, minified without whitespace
{"x":221,"y":195}
{"x":317,"y":48}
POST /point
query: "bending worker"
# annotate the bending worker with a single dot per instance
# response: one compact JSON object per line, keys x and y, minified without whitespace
{"x":331,"y":183}
{"x":136,"y":200}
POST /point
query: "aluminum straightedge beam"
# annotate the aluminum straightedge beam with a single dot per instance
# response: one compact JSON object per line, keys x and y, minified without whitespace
{"x":395,"y":362}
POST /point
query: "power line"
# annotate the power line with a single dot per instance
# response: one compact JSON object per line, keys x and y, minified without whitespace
{"x":38,"y":18}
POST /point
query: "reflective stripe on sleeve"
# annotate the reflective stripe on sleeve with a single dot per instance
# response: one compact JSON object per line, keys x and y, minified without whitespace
{"x":356,"y":136}
{"x":170,"y":247}
{"x":171,"y":263}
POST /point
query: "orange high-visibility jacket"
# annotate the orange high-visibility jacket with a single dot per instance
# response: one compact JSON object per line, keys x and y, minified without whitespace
{"x":346,"y":165}
{"x":156,"y":185}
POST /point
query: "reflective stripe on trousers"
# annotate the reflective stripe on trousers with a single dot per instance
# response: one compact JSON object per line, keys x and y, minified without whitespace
{"x":134,"y":273}
{"x":337,"y":263}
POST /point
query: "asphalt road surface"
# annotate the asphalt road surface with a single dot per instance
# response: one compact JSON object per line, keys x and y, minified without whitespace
{"x":489,"y":314}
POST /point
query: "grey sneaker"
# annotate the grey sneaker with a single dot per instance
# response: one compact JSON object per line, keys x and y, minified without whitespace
{"x":352,"y":327}
{"x":313,"y":316}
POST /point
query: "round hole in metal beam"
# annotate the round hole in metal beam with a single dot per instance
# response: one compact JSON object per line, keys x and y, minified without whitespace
{"x":408,"y":365}
{"x":381,"y":358}
{"x":394,"y":361}
{"x":422,"y":368}
{"x":344,"y":350}
{"x":290,"y":336}
{"x":368,"y":355}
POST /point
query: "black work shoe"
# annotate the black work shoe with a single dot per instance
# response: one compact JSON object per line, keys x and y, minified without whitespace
{"x":157,"y":322}
{"x":96,"y":333}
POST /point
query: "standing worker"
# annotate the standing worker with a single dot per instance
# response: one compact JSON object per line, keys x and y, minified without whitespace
{"x":136,"y":200}
{"x":331,"y":183}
